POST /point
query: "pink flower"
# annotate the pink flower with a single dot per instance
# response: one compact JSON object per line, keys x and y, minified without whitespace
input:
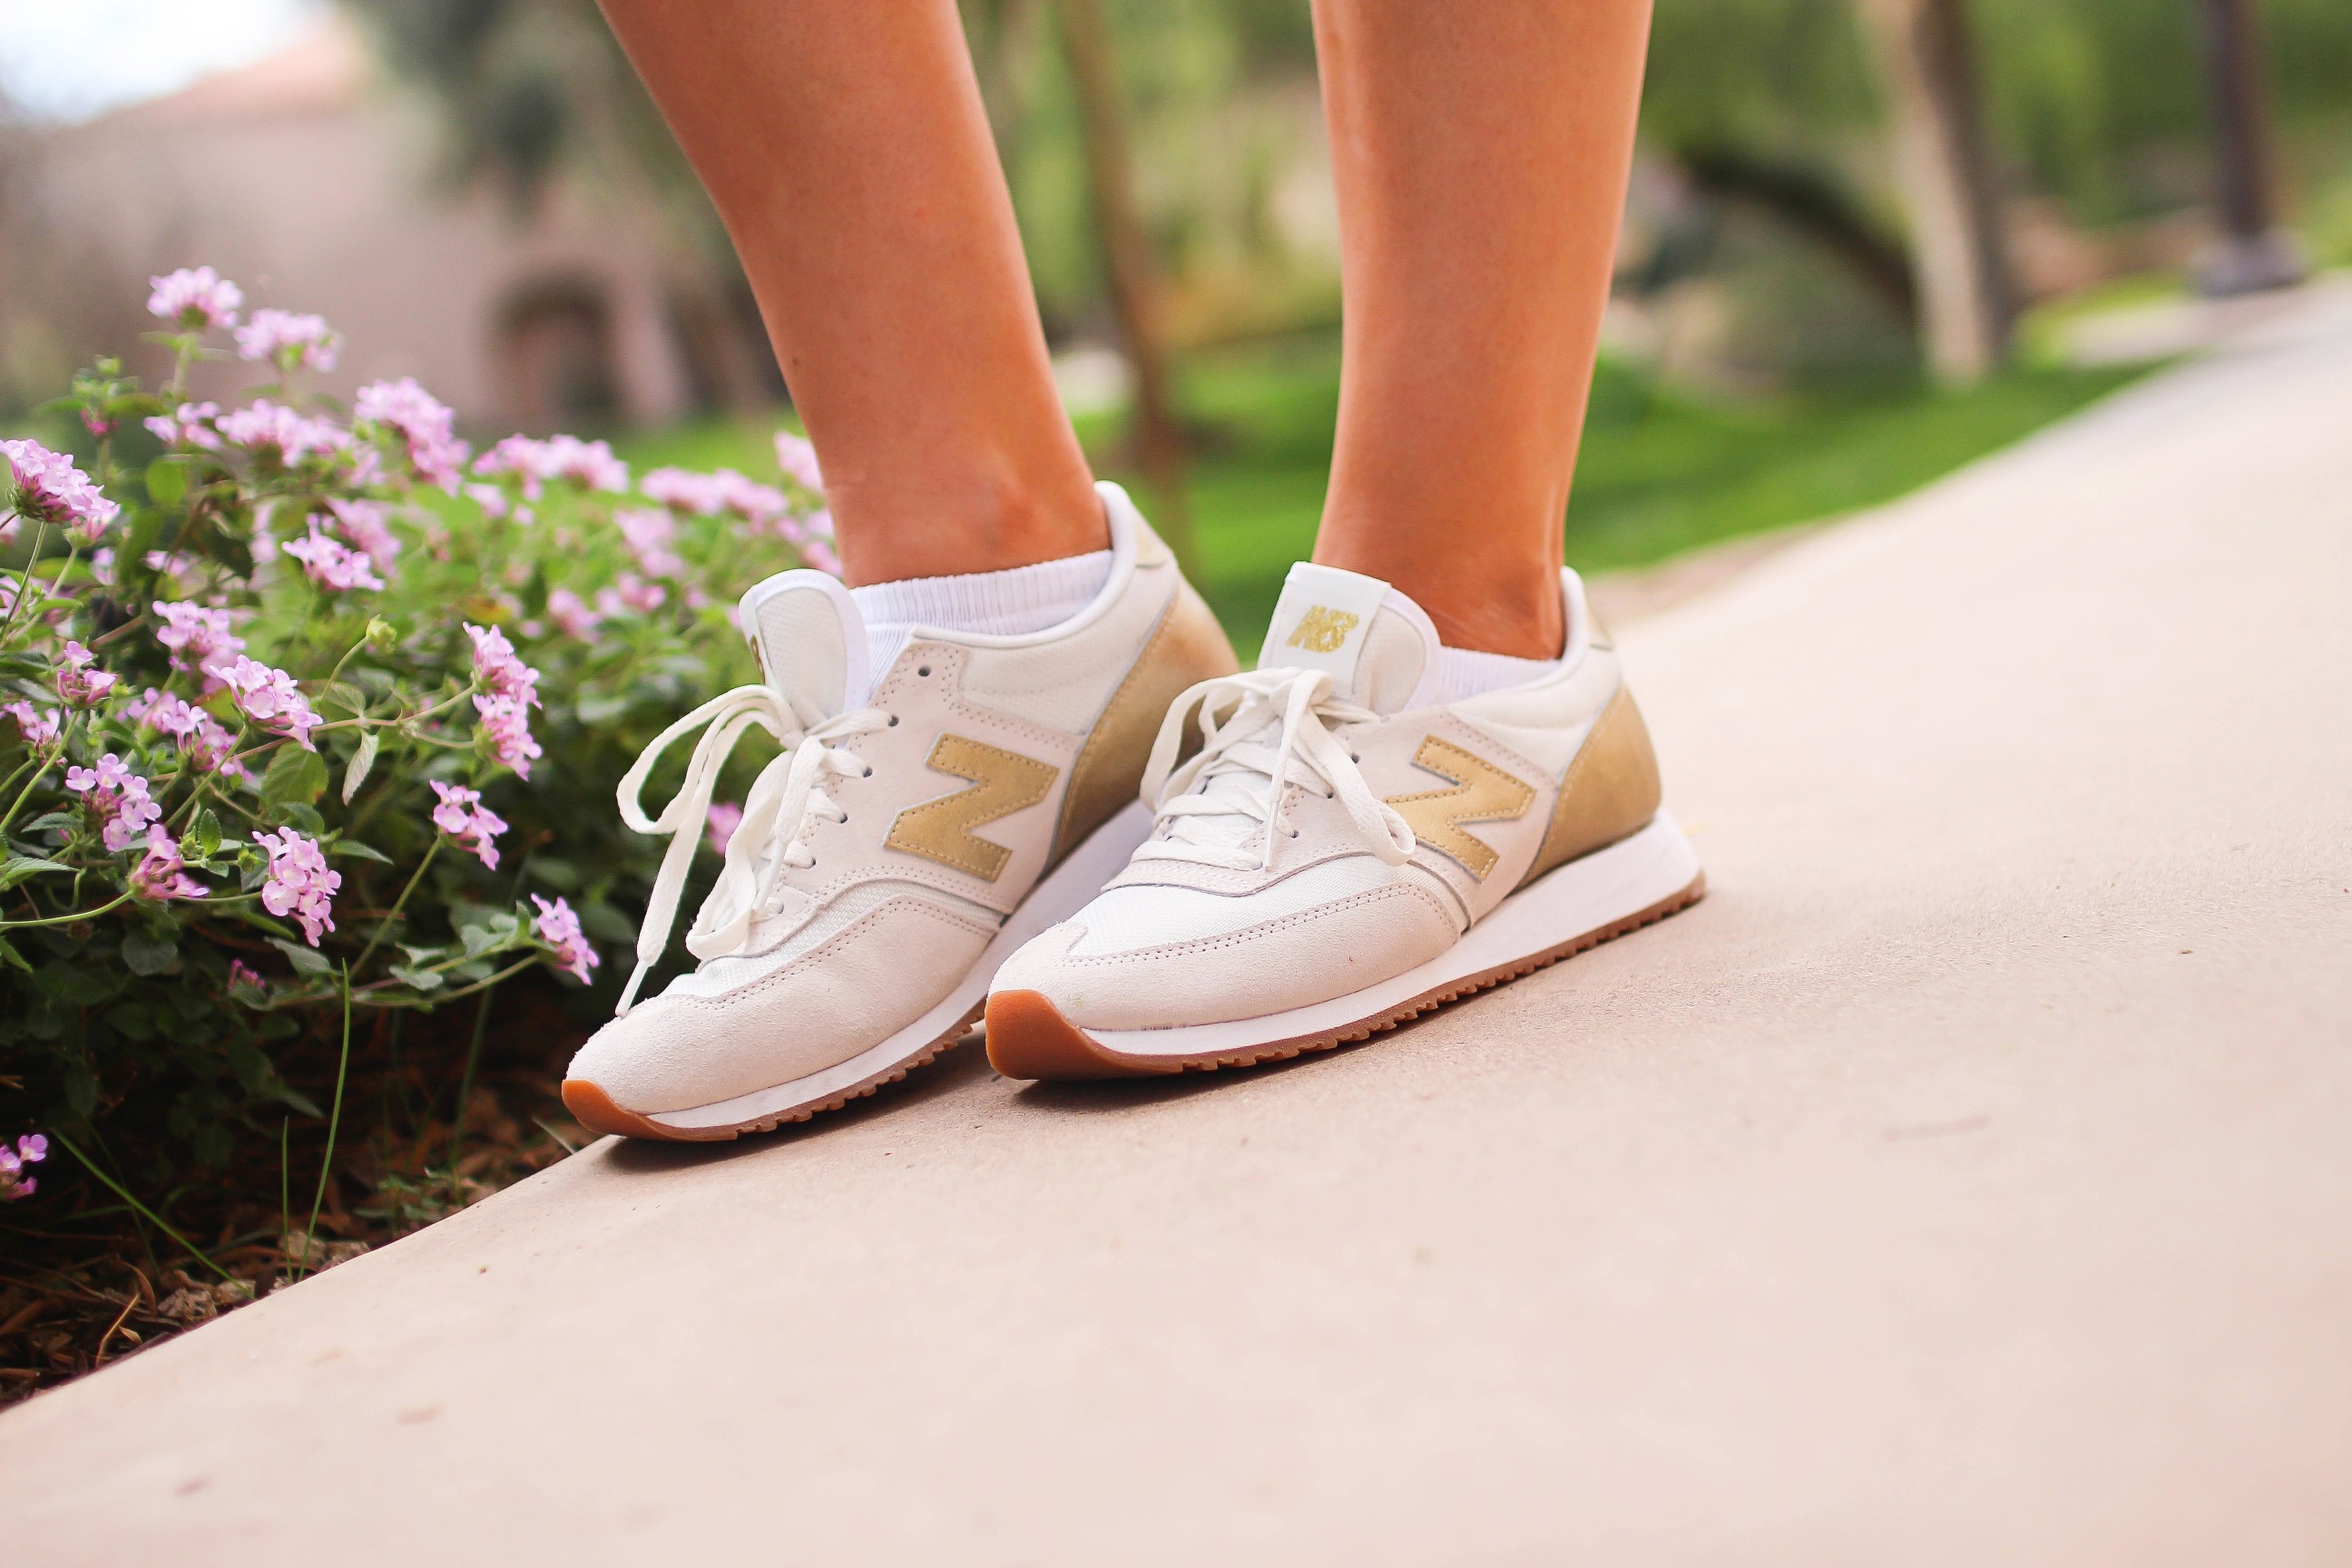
{"x":462,"y":815}
{"x":270,"y":698}
{"x":50,"y":488}
{"x":631,"y":592}
{"x":506,"y":725}
{"x":709,"y":495}
{"x":79,"y":680}
{"x":558,"y":927}
{"x":160,"y":874}
{"x":798,"y":461}
{"x":117,"y":798}
{"x":819,"y":553}
{"x":293,"y":340}
{"x":242,"y":976}
{"x":266,"y":426}
{"x":420,"y":421}
{"x":205,"y":742}
{"x":199,"y":639}
{"x":590,"y":464}
{"x":363,"y":522}
{"x":725,"y":816}
{"x":188,"y":425}
{"x":497,"y":669}
{"x":571,"y":613}
{"x":32,"y":1148}
{"x":650,"y":532}
{"x":330,"y":563}
{"x":195,"y":299}
{"x":298,"y":883}
{"x":37,"y":727}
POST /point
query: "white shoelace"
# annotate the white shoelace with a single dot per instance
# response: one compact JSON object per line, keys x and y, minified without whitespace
{"x":784,"y":799}
{"x":1261,"y":731}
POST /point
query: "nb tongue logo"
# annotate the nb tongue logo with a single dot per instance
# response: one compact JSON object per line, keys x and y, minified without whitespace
{"x":1322,"y":630}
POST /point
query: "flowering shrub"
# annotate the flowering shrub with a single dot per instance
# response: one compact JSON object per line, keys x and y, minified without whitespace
{"x":313,"y":715}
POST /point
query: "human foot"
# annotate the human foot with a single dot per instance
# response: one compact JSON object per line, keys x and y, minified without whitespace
{"x":1349,"y":848}
{"x":916,"y":830}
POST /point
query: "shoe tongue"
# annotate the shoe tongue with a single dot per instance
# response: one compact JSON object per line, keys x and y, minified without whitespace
{"x":1378,"y":647}
{"x":811,"y":642}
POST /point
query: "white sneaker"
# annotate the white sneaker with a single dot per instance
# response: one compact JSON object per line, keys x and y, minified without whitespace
{"x":1347,"y":851}
{"x":915,"y":830}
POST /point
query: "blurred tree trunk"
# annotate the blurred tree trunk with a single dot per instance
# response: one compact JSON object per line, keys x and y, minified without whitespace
{"x":1945,"y":164}
{"x":1127,"y":264}
{"x":2253,"y":252}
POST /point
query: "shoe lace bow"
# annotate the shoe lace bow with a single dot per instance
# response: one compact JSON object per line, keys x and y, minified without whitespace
{"x":785,"y":800}
{"x":1262,"y":731}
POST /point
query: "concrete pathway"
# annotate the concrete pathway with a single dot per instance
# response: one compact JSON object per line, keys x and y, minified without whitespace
{"x":1967,"y":1181}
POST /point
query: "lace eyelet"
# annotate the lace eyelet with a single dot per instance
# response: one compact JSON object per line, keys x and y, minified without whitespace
{"x":923,"y":669}
{"x":868,"y":773}
{"x":894,"y":721}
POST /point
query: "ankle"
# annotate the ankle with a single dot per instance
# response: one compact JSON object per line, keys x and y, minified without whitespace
{"x":915,"y":526}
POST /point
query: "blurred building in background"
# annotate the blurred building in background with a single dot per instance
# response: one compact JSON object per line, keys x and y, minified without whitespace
{"x":314,"y":185}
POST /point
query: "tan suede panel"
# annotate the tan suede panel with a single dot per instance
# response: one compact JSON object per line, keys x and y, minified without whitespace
{"x":1611,"y":791}
{"x":1188,"y":646}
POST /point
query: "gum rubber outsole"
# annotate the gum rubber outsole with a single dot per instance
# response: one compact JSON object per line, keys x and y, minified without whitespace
{"x":1029,"y":1038}
{"x":594,"y":1110}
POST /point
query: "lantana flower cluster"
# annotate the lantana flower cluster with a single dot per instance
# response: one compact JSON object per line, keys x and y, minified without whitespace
{"x":283,"y":692}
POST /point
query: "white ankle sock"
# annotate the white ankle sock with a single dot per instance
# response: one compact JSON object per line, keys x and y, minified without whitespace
{"x":1466,"y":672}
{"x":1019,"y":599}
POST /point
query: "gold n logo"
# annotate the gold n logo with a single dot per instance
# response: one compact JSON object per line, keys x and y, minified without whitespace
{"x":1002,"y":783}
{"x":1481,"y":793}
{"x":1322,"y":631}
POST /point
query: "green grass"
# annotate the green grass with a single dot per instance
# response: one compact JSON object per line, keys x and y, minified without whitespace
{"x":1660,"y":473}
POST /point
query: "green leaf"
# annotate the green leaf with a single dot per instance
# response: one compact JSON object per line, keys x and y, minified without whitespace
{"x":353,"y":850}
{"x":204,"y":835}
{"x":478,"y":939}
{"x":167,"y":482}
{"x":599,"y":710}
{"x":132,"y":1021}
{"x":362,"y":761}
{"x":295,"y":776}
{"x":8,"y":954}
{"x":149,"y":955}
{"x":81,"y":1088}
{"x":50,"y":820}
{"x":557,"y":873}
{"x":423,"y":955}
{"x":305,"y":959}
{"x":20,"y":868}
{"x":418,"y":979}
{"x":305,"y":817}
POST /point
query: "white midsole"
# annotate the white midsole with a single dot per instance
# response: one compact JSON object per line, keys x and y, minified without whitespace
{"x":1582,"y":897}
{"x":1062,"y":893}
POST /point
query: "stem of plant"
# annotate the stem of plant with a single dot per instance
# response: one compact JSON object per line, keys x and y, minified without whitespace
{"x":334,"y":1124}
{"x":392,"y":916}
{"x":141,"y":1209}
{"x":465,"y":1084}
{"x":24,"y":581}
{"x":284,"y":1194}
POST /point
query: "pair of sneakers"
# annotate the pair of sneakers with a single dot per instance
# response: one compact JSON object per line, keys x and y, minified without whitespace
{"x":1125,"y":852}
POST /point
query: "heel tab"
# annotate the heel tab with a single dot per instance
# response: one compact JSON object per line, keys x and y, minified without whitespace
{"x":1131,"y":532}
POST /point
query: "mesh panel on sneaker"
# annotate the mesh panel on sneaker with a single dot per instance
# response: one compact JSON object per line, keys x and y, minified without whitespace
{"x":1153,"y":915}
{"x":718,"y":975}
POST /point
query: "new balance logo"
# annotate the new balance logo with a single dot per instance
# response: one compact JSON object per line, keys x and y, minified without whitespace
{"x":1002,"y":783}
{"x":1322,"y":630}
{"x":1481,"y":793}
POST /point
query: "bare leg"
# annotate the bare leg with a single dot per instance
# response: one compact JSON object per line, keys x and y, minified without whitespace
{"x":845,"y":146}
{"x":1481,"y":153}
